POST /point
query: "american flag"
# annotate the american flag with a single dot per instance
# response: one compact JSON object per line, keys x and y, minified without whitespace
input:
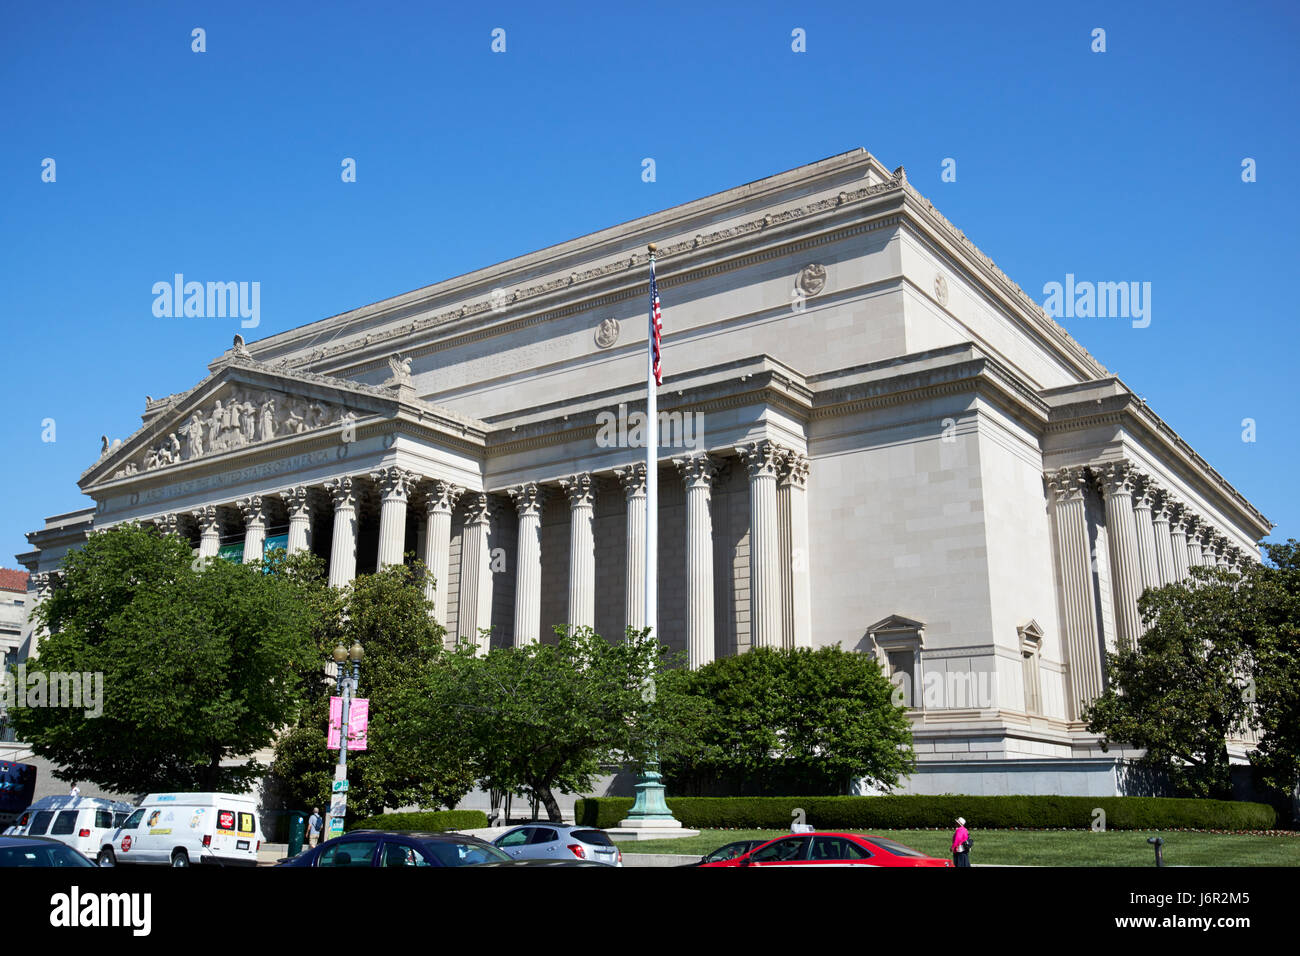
{"x":656,"y":325}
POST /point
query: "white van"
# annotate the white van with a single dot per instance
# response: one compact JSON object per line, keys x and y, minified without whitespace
{"x":83,"y":823}
{"x":185,"y":829}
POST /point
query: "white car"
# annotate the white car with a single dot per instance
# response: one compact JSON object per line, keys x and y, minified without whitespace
{"x":82,"y":823}
{"x":184,"y":829}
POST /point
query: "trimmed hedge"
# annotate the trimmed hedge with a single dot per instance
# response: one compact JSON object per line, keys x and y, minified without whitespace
{"x":427,"y":821}
{"x":903,"y":812}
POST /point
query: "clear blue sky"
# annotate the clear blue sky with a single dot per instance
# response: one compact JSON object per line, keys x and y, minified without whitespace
{"x":1123,"y":165}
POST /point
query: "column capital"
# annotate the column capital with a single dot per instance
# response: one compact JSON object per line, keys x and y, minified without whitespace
{"x":253,"y":509}
{"x":794,"y":470}
{"x":632,"y":478}
{"x":478,"y":508}
{"x":342,"y":492}
{"x":393,"y":482}
{"x":1192,"y":525}
{"x":296,"y":501}
{"x":698,"y":470}
{"x":166,"y":524}
{"x":206,"y":516}
{"x":1068,"y":484}
{"x":581,"y":489}
{"x":44,"y":583}
{"x":528,"y":498}
{"x":1118,"y":478}
{"x":763,"y":459}
{"x":442,"y":496}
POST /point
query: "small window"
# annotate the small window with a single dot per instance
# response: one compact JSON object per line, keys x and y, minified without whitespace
{"x":517,"y":838}
{"x":133,"y":821}
{"x":103,"y":819}
{"x":783,"y":851}
{"x":119,"y":819}
{"x":246,"y":823}
{"x":40,"y":822}
{"x":837,"y":848}
{"x":65,"y":823}
{"x":402,"y":854}
{"x":594,"y":837}
{"x":543,"y":835}
{"x":352,"y":853}
{"x":225,"y":820}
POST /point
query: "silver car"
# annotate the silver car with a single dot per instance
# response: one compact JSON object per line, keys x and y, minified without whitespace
{"x":552,"y":841}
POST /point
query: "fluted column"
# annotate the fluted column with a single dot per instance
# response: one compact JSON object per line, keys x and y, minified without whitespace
{"x":343,"y":550}
{"x":254,"y":527}
{"x":1148,"y":564}
{"x":439,"y":503}
{"x":209,"y":530}
{"x":297,"y":503}
{"x":43,"y":584}
{"x":475,"y":604}
{"x":1178,"y":539}
{"x":1082,"y":639}
{"x":1164,"y":539}
{"x":796,"y":592}
{"x":698,"y":472}
{"x":581,"y":490}
{"x":632,"y":478}
{"x":1195,"y":557}
{"x":528,"y":564}
{"x":1221,"y":552}
{"x":762,"y":461}
{"x":1121,"y":533}
{"x":394,"y":487}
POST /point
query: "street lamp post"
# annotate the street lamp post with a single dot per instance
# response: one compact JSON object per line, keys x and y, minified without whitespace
{"x":348,"y":684}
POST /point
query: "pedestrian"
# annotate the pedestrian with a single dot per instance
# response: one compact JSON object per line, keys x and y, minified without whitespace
{"x":75,"y":791}
{"x":314,"y":823}
{"x":961,"y":844}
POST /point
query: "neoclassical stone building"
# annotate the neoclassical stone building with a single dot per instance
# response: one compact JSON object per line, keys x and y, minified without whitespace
{"x":871,"y":437}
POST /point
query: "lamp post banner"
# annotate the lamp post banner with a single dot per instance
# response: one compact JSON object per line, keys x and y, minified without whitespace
{"x":358,"y":722}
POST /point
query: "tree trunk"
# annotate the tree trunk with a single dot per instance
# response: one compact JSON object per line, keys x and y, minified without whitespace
{"x":553,"y":813}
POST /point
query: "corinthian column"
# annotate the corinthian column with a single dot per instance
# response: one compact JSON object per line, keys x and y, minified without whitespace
{"x":209,"y":531}
{"x":581,"y":490}
{"x":1195,"y":557}
{"x":1148,"y":564}
{"x":792,"y":508}
{"x":254,"y":527}
{"x":298,"y":505}
{"x":475,"y":603}
{"x":1221,"y":552}
{"x":1164,"y":541}
{"x":698,"y":472}
{"x":528,"y":564}
{"x":394,"y":486}
{"x":438,"y":506}
{"x":632,"y":478}
{"x":1178,"y":517}
{"x":1121,"y":528}
{"x":343,"y":550}
{"x":1082,"y":640}
{"x":167,"y":524}
{"x":762,"y":461}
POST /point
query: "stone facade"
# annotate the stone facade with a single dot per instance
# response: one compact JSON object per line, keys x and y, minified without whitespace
{"x":870,"y":437}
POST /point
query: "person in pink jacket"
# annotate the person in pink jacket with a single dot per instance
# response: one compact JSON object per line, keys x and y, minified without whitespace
{"x":961,"y":843}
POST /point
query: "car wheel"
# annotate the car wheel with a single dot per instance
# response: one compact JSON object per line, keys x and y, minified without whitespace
{"x":106,"y":858}
{"x":180,"y":858}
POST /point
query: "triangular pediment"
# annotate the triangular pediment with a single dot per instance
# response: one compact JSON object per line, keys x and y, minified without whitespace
{"x":895,"y":623}
{"x":243,"y":404}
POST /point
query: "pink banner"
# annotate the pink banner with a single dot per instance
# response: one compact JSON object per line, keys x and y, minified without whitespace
{"x":358,"y":723}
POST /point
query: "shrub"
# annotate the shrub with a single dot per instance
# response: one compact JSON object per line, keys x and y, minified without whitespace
{"x":920,"y":811}
{"x":427,"y":821}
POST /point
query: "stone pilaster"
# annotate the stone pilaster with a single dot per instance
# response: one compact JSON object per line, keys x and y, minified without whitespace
{"x":298,"y":504}
{"x":632,"y":478}
{"x":439,"y":503}
{"x":1121,"y":532}
{"x":1148,"y":563}
{"x":1178,"y":517}
{"x":528,"y":564}
{"x":43,"y":584}
{"x":763,"y":462}
{"x":796,"y":590}
{"x":475,"y":601}
{"x":394,"y":488}
{"x":581,"y":490}
{"x":1164,"y":540}
{"x":1082,"y":639}
{"x":343,"y":550}
{"x":698,"y":472}
{"x":209,"y":530}
{"x":254,"y":512}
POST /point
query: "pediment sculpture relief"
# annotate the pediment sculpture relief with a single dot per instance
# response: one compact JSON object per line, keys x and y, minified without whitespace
{"x":240,"y":417}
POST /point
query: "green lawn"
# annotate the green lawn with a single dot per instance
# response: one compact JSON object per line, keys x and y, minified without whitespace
{"x":1046,"y":847}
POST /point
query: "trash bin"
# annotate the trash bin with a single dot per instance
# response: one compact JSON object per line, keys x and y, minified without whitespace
{"x":297,"y":831}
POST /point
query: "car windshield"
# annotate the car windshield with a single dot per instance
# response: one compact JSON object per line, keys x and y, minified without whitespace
{"x":464,"y":854}
{"x":54,"y":854}
{"x":594,"y":837}
{"x":890,"y":846}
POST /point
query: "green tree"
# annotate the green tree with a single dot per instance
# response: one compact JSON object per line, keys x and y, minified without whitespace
{"x":404,"y":765}
{"x":1275,"y":653}
{"x":545,"y":717}
{"x":1179,"y":693}
{"x":201,"y":665}
{"x":807,"y":719}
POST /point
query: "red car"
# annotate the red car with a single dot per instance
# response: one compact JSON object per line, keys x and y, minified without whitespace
{"x":831,"y":849}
